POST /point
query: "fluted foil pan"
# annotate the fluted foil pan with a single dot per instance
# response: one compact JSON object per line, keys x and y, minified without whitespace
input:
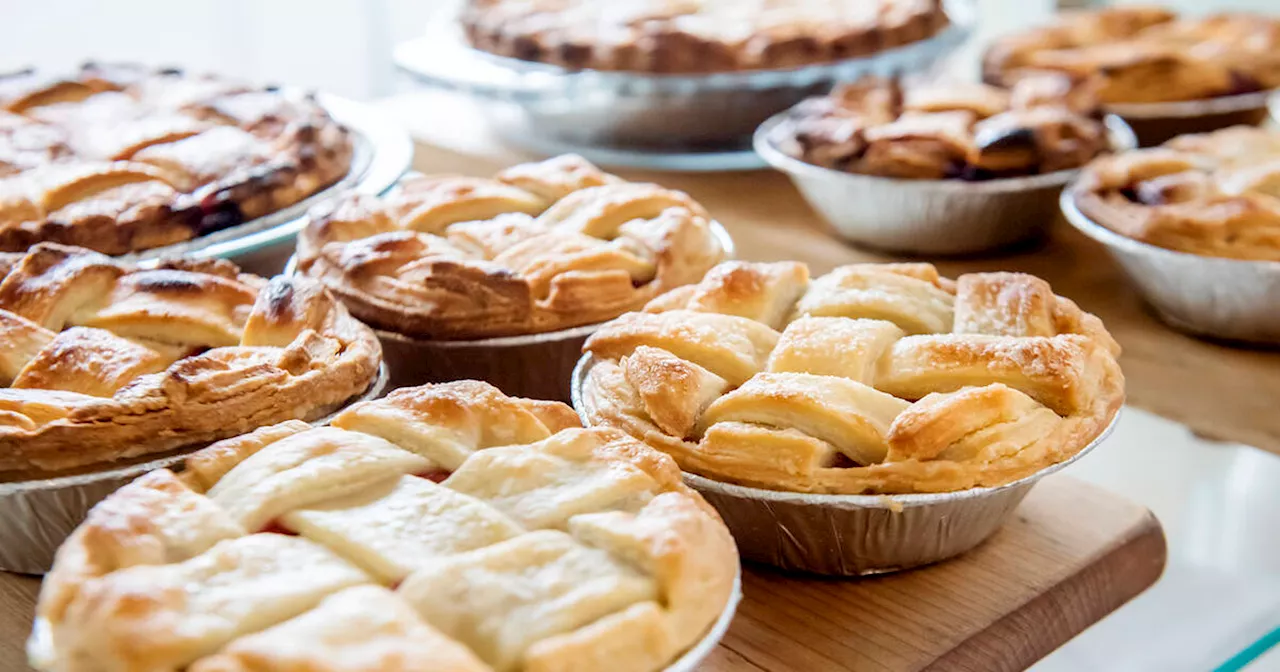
{"x":1234,"y":299}
{"x":1154,"y":123}
{"x":537,"y":366}
{"x":37,"y":515}
{"x":923,"y":217}
{"x":856,"y":535}
{"x":625,"y":109}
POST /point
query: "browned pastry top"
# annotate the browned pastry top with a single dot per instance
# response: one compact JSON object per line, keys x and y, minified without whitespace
{"x":122,"y":158}
{"x":539,"y":247}
{"x":102,"y":360}
{"x":874,"y":378}
{"x":935,"y":131}
{"x":1215,"y":194}
{"x":1147,"y":54}
{"x":696,"y":36}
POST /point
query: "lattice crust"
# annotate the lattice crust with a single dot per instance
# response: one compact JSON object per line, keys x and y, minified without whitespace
{"x":1146,"y":54}
{"x":874,"y":378}
{"x":102,"y":360}
{"x":539,"y":247}
{"x":1216,"y":194}
{"x":694,"y":37}
{"x":354,"y":548}
{"x":123,"y":158}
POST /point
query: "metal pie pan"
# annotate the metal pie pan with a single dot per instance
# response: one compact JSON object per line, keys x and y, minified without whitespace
{"x":857,"y":535}
{"x":1218,"y":297}
{"x":1154,"y":123}
{"x":36,"y":515}
{"x":928,"y":217}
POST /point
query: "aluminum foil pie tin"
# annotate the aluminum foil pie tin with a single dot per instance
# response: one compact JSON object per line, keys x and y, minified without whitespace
{"x":591,"y":108}
{"x":928,"y":217}
{"x":37,"y":515}
{"x":1154,"y":123}
{"x":857,"y":535}
{"x":1233,"y":299}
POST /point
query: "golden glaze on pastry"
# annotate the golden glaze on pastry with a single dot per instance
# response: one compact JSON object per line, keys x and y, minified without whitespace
{"x":104,"y":360}
{"x":660,"y":36}
{"x":121,"y":158}
{"x":1146,"y":54}
{"x":883,"y":378}
{"x":539,"y":247}
{"x":354,"y":548}
{"x":1215,"y":194}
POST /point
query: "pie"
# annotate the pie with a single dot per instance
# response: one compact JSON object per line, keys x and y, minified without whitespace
{"x":1147,"y":54}
{"x":442,"y":528}
{"x":539,"y":247}
{"x":121,"y":158}
{"x":687,"y":36}
{"x":1215,"y":194}
{"x":937,"y":131}
{"x":874,"y":378}
{"x":103,"y":360}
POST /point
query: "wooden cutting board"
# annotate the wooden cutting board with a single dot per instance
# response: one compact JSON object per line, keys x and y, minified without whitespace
{"x":1071,"y":554}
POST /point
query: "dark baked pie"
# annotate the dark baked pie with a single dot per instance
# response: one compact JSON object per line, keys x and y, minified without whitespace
{"x":1147,"y":54}
{"x":935,"y":131}
{"x":122,"y":158}
{"x":1215,"y":194}
{"x":102,"y":360}
{"x":874,"y":378}
{"x":684,"y":36}
{"x":538,"y":247}
{"x":445,"y":528}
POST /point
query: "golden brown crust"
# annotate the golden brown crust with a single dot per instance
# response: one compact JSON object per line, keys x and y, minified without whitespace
{"x":541,"y":551}
{"x":540,"y":247}
{"x":1214,"y":194}
{"x":885,"y":379}
{"x":141,"y":159}
{"x":106,"y":361}
{"x":1146,"y":54}
{"x":674,"y":37}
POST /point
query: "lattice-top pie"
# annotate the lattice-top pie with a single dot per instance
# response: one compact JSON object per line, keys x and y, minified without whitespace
{"x":696,"y":36}
{"x":1147,"y":54}
{"x":935,"y":131}
{"x":443,"y":528}
{"x":102,"y":360}
{"x":538,"y":247}
{"x":123,"y":158}
{"x":874,"y":378}
{"x":1216,"y":194}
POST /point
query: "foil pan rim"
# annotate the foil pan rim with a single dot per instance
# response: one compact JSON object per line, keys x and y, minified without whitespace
{"x":1182,"y":109}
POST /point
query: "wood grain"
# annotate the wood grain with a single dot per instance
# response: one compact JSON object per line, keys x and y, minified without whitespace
{"x":1072,"y":554}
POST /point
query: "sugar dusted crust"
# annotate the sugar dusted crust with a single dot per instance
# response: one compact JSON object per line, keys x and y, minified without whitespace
{"x":122,"y":158}
{"x":104,"y":361}
{"x":878,"y":378}
{"x":696,"y":37}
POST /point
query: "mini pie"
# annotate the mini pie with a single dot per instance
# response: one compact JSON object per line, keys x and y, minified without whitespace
{"x":539,"y":247}
{"x":684,"y":36}
{"x":103,"y":360}
{"x":1147,"y":54}
{"x":443,"y":528}
{"x":936,"y":131}
{"x":874,"y":378}
{"x":121,"y":158}
{"x":1215,"y":194}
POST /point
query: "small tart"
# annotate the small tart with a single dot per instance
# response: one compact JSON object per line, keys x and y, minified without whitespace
{"x":547,"y":547}
{"x":538,"y":247}
{"x":884,"y":378}
{"x":105,"y":361}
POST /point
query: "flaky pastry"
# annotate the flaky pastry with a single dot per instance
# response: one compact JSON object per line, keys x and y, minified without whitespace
{"x":122,"y":158}
{"x":874,"y":378}
{"x":443,"y":528}
{"x":539,"y":247}
{"x":1215,"y":194}
{"x":102,"y":360}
